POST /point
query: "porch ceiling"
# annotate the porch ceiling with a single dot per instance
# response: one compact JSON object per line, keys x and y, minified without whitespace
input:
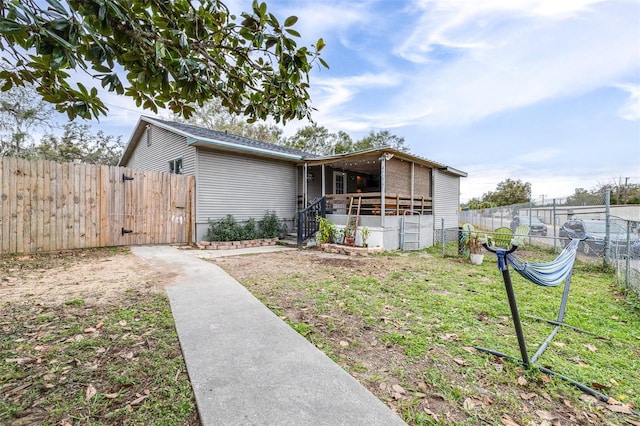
{"x":366,"y":165}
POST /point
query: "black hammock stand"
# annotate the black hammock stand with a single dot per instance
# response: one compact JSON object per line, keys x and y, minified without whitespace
{"x":545,"y":274}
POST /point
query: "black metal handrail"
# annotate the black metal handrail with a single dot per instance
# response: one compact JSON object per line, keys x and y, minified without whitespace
{"x":308,"y":219}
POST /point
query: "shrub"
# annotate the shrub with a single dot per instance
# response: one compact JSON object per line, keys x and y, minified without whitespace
{"x":228,"y":229}
{"x":326,"y":231}
{"x":271,"y":226}
{"x":250,"y":230}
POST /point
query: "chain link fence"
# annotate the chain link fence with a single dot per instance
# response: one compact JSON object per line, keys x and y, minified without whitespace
{"x":608,"y":233}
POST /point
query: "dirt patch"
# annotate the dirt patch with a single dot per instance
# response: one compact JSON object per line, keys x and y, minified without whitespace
{"x":87,"y":337}
{"x":97,"y":277}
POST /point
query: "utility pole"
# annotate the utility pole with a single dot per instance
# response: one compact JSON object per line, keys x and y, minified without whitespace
{"x":626,"y":189}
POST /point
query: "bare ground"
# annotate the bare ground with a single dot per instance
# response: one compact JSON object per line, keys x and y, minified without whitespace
{"x":69,"y":286}
{"x":102,"y":280}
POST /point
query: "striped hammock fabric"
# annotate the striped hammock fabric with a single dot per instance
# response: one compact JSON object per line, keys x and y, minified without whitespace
{"x":548,"y":274}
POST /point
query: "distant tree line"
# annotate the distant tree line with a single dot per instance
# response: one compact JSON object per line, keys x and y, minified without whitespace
{"x":509,"y":192}
{"x":23,"y":115}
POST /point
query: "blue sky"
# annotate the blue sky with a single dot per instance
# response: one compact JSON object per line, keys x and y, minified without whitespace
{"x":544,"y":91}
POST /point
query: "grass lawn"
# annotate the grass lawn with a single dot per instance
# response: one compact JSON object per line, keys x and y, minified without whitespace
{"x":91,"y":341}
{"x":405,"y":325}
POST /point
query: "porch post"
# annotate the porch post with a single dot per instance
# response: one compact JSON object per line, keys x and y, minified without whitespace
{"x":305,"y":173}
{"x":413,"y":166}
{"x":383,"y":184}
{"x":324,"y":190}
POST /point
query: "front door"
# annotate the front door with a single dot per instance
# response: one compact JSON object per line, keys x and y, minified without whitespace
{"x":339,"y":183}
{"x":339,"y":187}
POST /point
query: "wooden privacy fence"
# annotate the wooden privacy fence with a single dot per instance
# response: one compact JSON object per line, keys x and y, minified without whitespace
{"x":47,"y":206}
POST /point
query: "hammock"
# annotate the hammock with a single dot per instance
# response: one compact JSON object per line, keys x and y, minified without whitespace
{"x":548,"y":274}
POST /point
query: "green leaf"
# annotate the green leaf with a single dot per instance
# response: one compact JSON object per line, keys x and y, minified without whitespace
{"x":57,"y":38}
{"x":320,"y":44}
{"x":291,"y":20}
{"x":293,"y":32}
{"x":8,"y":27}
{"x":57,"y":6}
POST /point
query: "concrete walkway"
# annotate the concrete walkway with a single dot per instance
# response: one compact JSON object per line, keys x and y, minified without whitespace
{"x":247,"y":367}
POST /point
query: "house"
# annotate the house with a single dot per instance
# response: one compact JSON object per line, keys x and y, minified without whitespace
{"x":402,"y":198}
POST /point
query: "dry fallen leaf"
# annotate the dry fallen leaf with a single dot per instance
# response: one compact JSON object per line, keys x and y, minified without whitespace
{"x":599,"y":386}
{"x":422,"y":386}
{"x":591,"y":347}
{"x":90,"y":392}
{"x":528,"y":396}
{"x":522,"y":381}
{"x":460,"y":361}
{"x":469,"y":349}
{"x":449,"y":337}
{"x":620,"y":408}
{"x":545,"y":415}
{"x":99,"y":325}
{"x":139,"y":399}
{"x":471,"y":403}
{"x":89,"y":330}
{"x":122,"y":323}
{"x":344,"y":343}
{"x":545,"y":379}
{"x":508,"y":421}
{"x":111,"y":395}
{"x":398,"y":389}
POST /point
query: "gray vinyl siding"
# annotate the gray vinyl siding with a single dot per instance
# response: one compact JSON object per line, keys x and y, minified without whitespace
{"x":165,"y":146}
{"x":244,"y":187}
{"x":446,"y":199}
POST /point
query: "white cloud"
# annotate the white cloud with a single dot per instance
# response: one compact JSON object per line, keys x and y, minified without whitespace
{"x":503,"y":55}
{"x":631,"y":109}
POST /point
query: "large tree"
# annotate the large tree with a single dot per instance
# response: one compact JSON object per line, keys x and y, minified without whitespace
{"x":509,"y":192}
{"x":380,"y":139}
{"x":21,"y":115}
{"x":212,"y":115}
{"x":319,"y":140}
{"x":174,"y":54}
{"x":79,"y":144}
{"x":315,"y":139}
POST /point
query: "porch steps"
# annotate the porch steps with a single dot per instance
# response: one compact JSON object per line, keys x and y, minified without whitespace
{"x":291,"y":240}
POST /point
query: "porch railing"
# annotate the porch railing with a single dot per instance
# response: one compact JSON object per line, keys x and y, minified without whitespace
{"x":308,"y":219}
{"x":372,"y":203}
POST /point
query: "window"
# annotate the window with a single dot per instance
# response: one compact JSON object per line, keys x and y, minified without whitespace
{"x":148,"y":135}
{"x":175,"y":166}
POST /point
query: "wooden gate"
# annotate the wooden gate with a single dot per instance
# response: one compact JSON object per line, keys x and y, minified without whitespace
{"x":47,"y":206}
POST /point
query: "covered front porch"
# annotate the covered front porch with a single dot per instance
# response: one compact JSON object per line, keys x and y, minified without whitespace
{"x":385,"y":189}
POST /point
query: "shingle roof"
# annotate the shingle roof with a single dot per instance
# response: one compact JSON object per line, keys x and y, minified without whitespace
{"x":208,"y":135}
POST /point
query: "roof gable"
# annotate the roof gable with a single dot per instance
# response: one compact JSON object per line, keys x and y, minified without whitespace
{"x":215,"y":137}
{"x":200,"y":136}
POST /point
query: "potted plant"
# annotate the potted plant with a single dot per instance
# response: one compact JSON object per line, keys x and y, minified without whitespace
{"x":326,"y":231}
{"x":474,"y":246}
{"x":365,"y":235}
{"x":349,"y":239}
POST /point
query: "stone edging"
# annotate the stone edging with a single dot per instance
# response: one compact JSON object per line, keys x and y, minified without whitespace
{"x":350,"y":250}
{"x":232,"y":245}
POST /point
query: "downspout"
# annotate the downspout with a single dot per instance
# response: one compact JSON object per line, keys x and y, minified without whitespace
{"x":383,"y":185}
{"x":413,"y":166}
{"x":305,"y":173}
{"x":324,"y":190}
